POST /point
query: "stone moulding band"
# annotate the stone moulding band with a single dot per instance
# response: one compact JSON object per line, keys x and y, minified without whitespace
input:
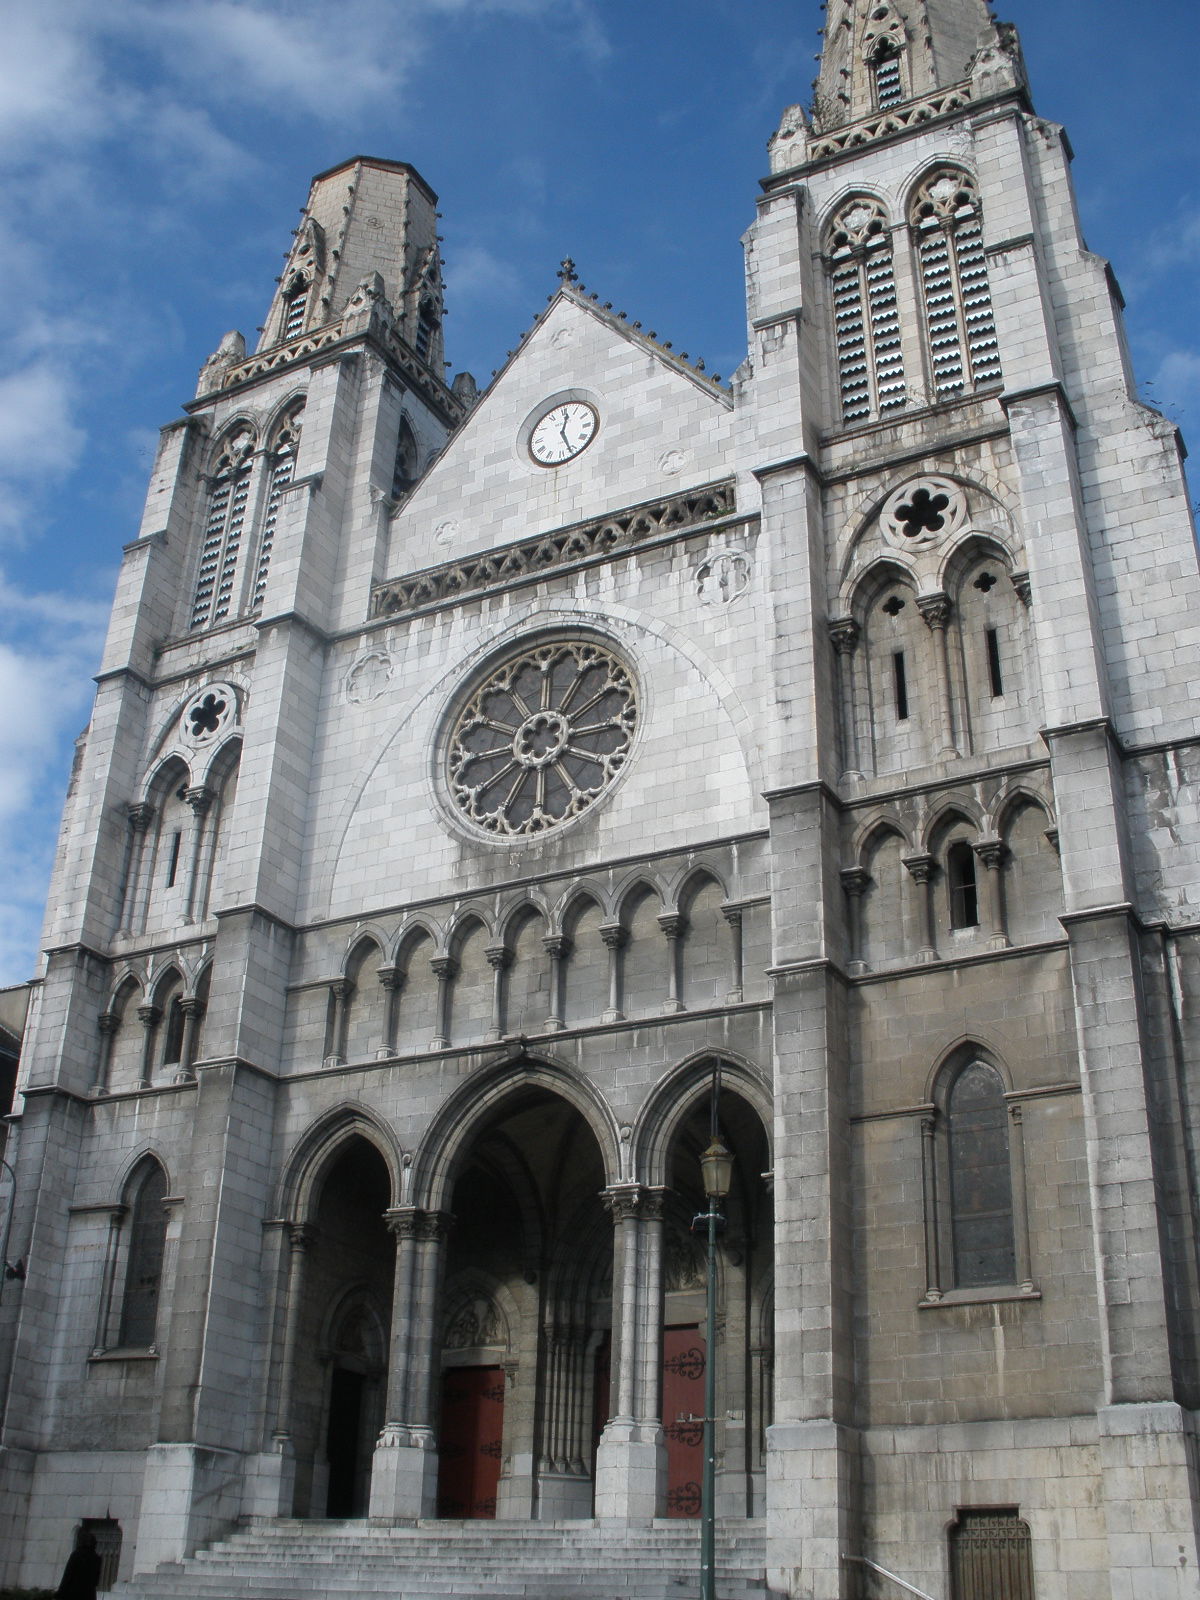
{"x":585,"y":541}
{"x":879,"y":127}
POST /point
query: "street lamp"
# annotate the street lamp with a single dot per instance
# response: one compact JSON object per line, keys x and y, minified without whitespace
{"x":716,"y":1167}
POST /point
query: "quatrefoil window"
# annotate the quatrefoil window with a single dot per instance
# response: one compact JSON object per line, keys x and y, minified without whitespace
{"x":208,"y":713}
{"x":923,"y":512}
{"x":542,"y":738}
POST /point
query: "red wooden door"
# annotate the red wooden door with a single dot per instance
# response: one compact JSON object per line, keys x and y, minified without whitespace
{"x":470,"y":1447}
{"x":683,"y":1396}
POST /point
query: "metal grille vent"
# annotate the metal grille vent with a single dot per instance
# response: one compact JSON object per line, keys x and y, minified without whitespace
{"x":990,"y":1557}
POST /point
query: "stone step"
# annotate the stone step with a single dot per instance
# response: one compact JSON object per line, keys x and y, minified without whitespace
{"x":303,"y":1560}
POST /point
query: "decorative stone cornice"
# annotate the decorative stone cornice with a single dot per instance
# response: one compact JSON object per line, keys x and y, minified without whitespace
{"x":532,"y":558}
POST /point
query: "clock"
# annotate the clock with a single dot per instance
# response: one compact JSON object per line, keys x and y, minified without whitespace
{"x":564,"y":432}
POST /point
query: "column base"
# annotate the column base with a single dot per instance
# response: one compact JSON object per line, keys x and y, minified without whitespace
{"x":404,"y":1472}
{"x":1148,"y":1459}
{"x":812,"y":1481}
{"x":270,"y":1483}
{"x":631,"y":1472}
{"x":191,"y":1495}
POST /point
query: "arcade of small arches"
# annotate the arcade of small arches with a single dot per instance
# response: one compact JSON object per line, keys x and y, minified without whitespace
{"x":520,"y":1302}
{"x":653,"y":949}
{"x":931,"y":634}
{"x":966,"y":878}
{"x":152,"y":1028}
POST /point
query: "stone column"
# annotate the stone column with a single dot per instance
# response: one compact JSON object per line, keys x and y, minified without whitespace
{"x":499,"y":958}
{"x":845,"y":635}
{"x":149,"y":1017}
{"x":270,"y":1475}
{"x":650,"y":1286}
{"x":200,"y":800}
{"x":104,"y":1317}
{"x":935,"y":608}
{"x":733,"y":916}
{"x":341,"y":989}
{"x":193,"y":1009}
{"x":558,"y":947}
{"x":140,"y":816}
{"x":631,"y":1457}
{"x":933,"y":1253}
{"x":432,"y":1231}
{"x":107,"y":1022}
{"x":856,"y":881}
{"x":1016,"y":1166}
{"x":672,"y":925}
{"x":921,"y":870}
{"x":445,"y":970}
{"x":393,"y":980}
{"x":991,"y":852}
{"x":300,"y":1237}
{"x":615,"y":939}
{"x":403,"y":1470}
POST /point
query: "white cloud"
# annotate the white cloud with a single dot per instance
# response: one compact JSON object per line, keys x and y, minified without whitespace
{"x":53,"y":644}
{"x":1176,"y":387}
{"x":37,"y":433}
{"x":476,"y":273}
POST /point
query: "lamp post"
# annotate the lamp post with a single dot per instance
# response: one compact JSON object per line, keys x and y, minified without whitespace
{"x":716,"y":1166}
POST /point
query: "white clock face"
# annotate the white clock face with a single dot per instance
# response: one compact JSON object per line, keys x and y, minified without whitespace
{"x":563,"y":433}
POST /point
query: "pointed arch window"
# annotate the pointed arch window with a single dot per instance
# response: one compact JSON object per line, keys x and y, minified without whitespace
{"x":224,"y":530}
{"x":426,"y":329}
{"x":960,"y":326}
{"x":982,"y":1241}
{"x":144,"y":1262}
{"x":281,"y":469}
{"x":865,"y":313}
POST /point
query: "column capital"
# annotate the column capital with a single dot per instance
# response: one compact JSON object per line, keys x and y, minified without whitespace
{"x":141,"y":814}
{"x":301,"y":1235}
{"x":200,"y":798}
{"x":623,"y":1201}
{"x":434,"y":1226}
{"x":556,"y":945}
{"x":499,"y":957}
{"x":732,"y":915}
{"x":193,"y":1006}
{"x":672,"y":924}
{"x":935,"y":608}
{"x":108,"y":1022}
{"x":341,"y":988}
{"x":991,"y":852}
{"x":921,"y":867}
{"x":402,"y":1221}
{"x":615,"y":937}
{"x":148,"y":1016}
{"x":1021,"y":583}
{"x":444,"y":967}
{"x":856,"y":880}
{"x":392,"y":978}
{"x":844,"y":635}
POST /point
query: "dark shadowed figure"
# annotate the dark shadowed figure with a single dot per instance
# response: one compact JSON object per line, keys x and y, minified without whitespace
{"x":82,"y":1570}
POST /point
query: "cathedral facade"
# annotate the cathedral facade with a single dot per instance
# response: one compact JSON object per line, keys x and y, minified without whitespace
{"x":486,"y":790}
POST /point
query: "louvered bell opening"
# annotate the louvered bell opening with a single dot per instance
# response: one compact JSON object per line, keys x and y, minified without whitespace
{"x":293,"y":315}
{"x":890,"y":387}
{"x":210,"y":554}
{"x":229,"y":558}
{"x":851,"y":337}
{"x":889,"y":91}
{"x":280,"y":479}
{"x":982,"y":344}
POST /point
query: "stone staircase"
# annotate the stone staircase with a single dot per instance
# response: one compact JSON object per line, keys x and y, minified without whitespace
{"x":289,"y":1559}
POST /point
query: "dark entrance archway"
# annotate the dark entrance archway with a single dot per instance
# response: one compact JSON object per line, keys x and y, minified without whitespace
{"x":525,"y":1310}
{"x":341,"y":1370}
{"x":744,"y":1281}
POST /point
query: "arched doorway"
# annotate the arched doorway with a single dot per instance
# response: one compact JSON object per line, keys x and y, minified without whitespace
{"x":526,"y":1311}
{"x":744,"y":1296}
{"x":341,"y":1362}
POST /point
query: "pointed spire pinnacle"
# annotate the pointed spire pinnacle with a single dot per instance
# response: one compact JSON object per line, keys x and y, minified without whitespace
{"x":882,"y":53}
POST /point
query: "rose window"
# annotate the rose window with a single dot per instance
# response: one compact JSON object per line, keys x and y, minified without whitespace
{"x":542,"y":738}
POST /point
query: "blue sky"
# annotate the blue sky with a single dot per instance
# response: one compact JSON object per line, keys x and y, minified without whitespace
{"x":154,"y":155}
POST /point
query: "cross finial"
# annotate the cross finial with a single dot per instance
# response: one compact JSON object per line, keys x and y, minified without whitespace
{"x":567,"y":273}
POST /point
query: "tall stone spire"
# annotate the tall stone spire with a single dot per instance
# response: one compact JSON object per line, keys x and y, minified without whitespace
{"x":879,"y":54}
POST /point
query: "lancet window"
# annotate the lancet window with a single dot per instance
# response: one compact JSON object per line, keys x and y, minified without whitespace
{"x":865,"y":314}
{"x":224,"y":530}
{"x":960,"y":326}
{"x":281,"y":469}
{"x":144,"y":1262}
